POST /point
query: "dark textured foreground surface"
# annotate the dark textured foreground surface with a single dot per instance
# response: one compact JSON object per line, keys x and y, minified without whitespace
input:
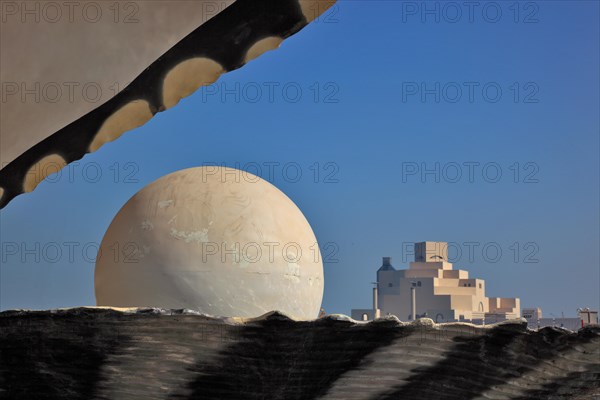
{"x":153,"y":354}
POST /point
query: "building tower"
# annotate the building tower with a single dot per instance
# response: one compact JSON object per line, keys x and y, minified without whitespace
{"x":440,"y":292}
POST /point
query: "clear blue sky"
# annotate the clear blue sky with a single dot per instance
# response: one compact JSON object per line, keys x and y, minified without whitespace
{"x":371,"y":119}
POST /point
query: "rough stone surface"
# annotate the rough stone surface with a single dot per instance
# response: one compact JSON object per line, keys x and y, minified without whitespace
{"x":92,"y":353}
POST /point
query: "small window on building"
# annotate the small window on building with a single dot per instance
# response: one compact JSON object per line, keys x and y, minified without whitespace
{"x":419,"y":283}
{"x":480,"y":286}
{"x":390,"y":284}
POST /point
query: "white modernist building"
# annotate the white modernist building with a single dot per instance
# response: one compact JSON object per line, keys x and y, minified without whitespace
{"x":435,"y":290}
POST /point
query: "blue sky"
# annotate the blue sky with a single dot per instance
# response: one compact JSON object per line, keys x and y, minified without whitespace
{"x":379,"y":104}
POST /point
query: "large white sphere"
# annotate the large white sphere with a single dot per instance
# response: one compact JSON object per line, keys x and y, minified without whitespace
{"x":214,"y":239}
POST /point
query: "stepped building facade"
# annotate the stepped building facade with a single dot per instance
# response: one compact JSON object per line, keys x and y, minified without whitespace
{"x":431,"y":288}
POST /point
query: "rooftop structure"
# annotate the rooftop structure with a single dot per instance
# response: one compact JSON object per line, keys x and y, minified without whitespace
{"x":585,"y":317}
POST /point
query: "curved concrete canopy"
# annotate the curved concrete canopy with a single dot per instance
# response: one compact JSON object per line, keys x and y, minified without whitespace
{"x":76,"y":75}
